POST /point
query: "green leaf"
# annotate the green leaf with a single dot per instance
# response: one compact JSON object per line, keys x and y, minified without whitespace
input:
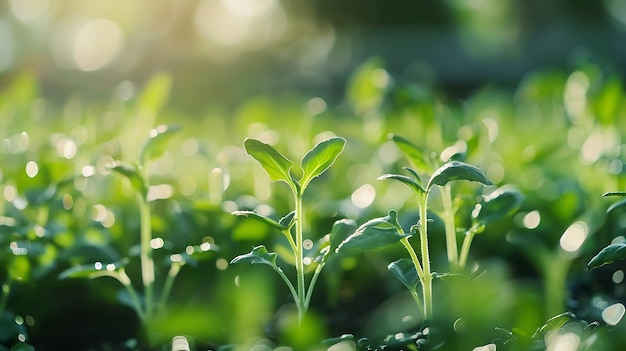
{"x":275,"y":164}
{"x":457,"y":170}
{"x":132,"y":174}
{"x":415,"y":186}
{"x":374,"y":234}
{"x":614,"y":193}
{"x":320,"y":158}
{"x":554,"y":323}
{"x":501,"y":203}
{"x":157,"y":142}
{"x":261,"y":218}
{"x":23,"y":347}
{"x":258,"y":255}
{"x":342,"y":229}
{"x":616,"y":206}
{"x":413,"y":153}
{"x":91,"y":270}
{"x":155,"y":94}
{"x":404,"y":270}
{"x":608,"y":255}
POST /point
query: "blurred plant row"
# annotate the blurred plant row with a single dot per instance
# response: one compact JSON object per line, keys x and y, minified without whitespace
{"x":132,"y":190}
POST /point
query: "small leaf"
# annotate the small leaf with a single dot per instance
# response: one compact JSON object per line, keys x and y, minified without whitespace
{"x":336,"y":340}
{"x":404,"y":270}
{"x":155,"y":94}
{"x":608,"y":255}
{"x":320,"y":158}
{"x":275,"y":164}
{"x":375,"y":234}
{"x":132,"y":174}
{"x":258,"y":255}
{"x":417,"y":189}
{"x":91,"y":270}
{"x":554,"y":323}
{"x":500,"y":203}
{"x":616,"y":206}
{"x":341,"y":230}
{"x":157,"y":141}
{"x":457,"y":170}
{"x":261,"y":218}
{"x":411,"y":152}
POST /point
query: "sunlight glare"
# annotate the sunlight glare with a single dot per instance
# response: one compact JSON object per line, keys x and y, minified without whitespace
{"x":613,"y":314}
{"x":97,"y":44}
{"x":574,"y":237}
{"x":532,"y":219}
{"x":363,"y":196}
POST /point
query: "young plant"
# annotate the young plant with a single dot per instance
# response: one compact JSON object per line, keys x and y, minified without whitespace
{"x":278,"y":167}
{"x":386,"y":230}
{"x":147,"y":304}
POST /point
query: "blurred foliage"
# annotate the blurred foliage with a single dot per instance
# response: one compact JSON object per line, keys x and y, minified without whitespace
{"x":292,"y":75}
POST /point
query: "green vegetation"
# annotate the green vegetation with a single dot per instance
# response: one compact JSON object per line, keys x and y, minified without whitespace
{"x":510,"y":244}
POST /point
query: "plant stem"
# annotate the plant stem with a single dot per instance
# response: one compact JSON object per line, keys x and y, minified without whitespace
{"x":448,"y":219}
{"x":416,"y":261}
{"x":288,"y":282}
{"x":309,"y":293}
{"x":301,"y":303}
{"x":169,"y":282}
{"x":427,"y":281}
{"x":467,"y":242}
{"x":147,"y":263}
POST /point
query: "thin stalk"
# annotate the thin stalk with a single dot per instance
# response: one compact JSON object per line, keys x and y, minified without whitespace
{"x":300,"y":258}
{"x":467,"y":242}
{"x":124,"y":279}
{"x":555,"y":284}
{"x":309,"y":293}
{"x":416,"y":261}
{"x":288,"y":282}
{"x":427,"y":282}
{"x":169,"y":282}
{"x":292,"y":244}
{"x":147,"y":263}
{"x":448,"y":219}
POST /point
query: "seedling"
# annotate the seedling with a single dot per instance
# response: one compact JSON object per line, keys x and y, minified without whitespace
{"x":148,"y":305}
{"x":278,"y":167}
{"x":386,"y":230}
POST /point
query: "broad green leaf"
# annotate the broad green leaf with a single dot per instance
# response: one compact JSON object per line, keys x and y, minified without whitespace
{"x":417,"y":189}
{"x":607,"y":255}
{"x":132,"y":174}
{"x":342,"y":229}
{"x":416,"y":176}
{"x":91,"y":270}
{"x":616,"y":206}
{"x":320,"y":158}
{"x":157,"y":142}
{"x":261,"y":218}
{"x":413,"y":153}
{"x":259,"y":255}
{"x":404,"y":270}
{"x":22,"y":346}
{"x":275,"y":164}
{"x":501,"y":203}
{"x":457,"y":170}
{"x":375,"y":234}
{"x":554,"y":323}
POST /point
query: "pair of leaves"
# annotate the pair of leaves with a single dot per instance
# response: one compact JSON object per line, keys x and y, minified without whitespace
{"x":453,"y":170}
{"x":154,"y":146}
{"x":259,"y":254}
{"x":314,"y":163}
